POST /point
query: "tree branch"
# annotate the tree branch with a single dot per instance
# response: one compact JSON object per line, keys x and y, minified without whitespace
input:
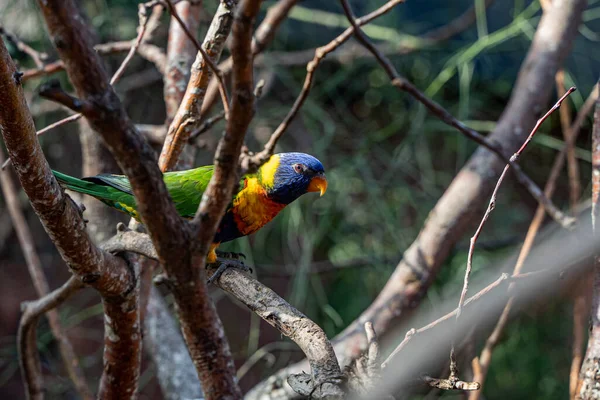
{"x":251,"y":162}
{"x":40,"y":283}
{"x":187,"y":117}
{"x":59,"y":215}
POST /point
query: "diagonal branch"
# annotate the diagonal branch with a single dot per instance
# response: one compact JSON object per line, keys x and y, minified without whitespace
{"x":262,"y":37}
{"x":60,"y":216}
{"x":251,"y":162}
{"x":441,"y":113}
{"x":188,"y":114}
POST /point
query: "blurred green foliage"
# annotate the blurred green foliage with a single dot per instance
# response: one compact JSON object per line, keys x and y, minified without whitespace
{"x":388,"y":162}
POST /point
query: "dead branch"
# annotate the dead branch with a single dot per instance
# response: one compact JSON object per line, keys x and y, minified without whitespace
{"x":485,"y":358}
{"x":591,"y":363}
{"x":187,"y":116}
{"x":26,"y":337}
{"x":59,"y":215}
{"x":456,"y":209}
{"x":325,"y":379}
{"x":251,"y":162}
{"x":40,"y":283}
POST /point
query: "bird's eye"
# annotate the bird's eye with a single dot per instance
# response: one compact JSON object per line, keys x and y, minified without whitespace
{"x":299,"y":168}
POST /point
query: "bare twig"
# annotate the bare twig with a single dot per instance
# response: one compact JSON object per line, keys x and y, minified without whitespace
{"x":251,"y":162}
{"x":262,"y":37}
{"x":453,"y":368}
{"x":41,"y":284}
{"x":503,"y":279}
{"x":187,"y":116}
{"x":28,"y":354}
{"x":37,"y":56}
{"x":485,"y":358}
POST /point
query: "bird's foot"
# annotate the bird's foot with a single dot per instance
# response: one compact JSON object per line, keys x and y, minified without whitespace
{"x":230,"y":255}
{"x":225,"y":263}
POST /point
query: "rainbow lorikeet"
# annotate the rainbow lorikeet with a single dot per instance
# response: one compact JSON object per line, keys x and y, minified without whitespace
{"x":257,"y":200}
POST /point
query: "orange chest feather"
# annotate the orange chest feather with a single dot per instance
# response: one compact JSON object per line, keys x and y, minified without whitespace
{"x":252,"y":208}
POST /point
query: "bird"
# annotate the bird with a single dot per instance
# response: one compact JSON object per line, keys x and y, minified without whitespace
{"x":256,"y":201}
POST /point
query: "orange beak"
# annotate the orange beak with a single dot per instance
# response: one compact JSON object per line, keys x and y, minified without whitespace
{"x":318,"y":184}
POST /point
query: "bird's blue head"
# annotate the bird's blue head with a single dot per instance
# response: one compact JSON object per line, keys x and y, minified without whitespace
{"x":287,"y":176}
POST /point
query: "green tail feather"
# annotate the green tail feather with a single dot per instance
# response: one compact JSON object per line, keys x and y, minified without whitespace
{"x":81,"y":186}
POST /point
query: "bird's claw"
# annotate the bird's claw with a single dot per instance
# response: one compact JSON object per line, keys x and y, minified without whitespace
{"x":230,"y":255}
{"x":225,"y":263}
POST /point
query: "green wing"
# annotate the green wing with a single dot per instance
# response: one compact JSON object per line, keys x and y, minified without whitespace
{"x":185,"y":187}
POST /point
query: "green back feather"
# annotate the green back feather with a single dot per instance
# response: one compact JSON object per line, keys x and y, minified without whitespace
{"x":185,"y":187}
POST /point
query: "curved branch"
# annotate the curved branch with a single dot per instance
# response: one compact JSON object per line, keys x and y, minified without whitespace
{"x":26,"y":337}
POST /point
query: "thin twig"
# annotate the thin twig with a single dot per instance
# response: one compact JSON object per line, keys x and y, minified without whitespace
{"x":252,"y":162}
{"x":485,"y":357}
{"x":486,"y":215}
{"x":501,"y":280}
{"x":37,"y":56}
